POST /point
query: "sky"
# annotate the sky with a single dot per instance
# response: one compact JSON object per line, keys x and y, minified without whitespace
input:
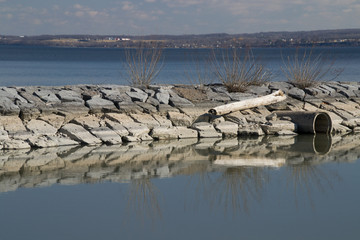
{"x":175,"y":17}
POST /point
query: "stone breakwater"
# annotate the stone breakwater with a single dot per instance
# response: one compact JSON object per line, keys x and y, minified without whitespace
{"x":112,"y":114}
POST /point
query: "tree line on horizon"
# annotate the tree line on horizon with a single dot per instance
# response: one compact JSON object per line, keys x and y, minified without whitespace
{"x":338,"y":38}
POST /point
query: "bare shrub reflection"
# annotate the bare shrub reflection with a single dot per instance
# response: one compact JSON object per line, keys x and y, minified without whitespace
{"x":143,"y":199}
{"x":303,"y":179}
{"x":236,"y":187}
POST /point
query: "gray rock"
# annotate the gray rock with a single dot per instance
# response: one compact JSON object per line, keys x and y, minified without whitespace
{"x":70,"y":96}
{"x":163,"y":121}
{"x":228,"y":129}
{"x":87,"y":122}
{"x":259,"y":90}
{"x":15,"y":144}
{"x":163,"y":96}
{"x":284,"y":86}
{"x":164,"y":133}
{"x":12,"y":94}
{"x":179,"y":119}
{"x":153,"y":101}
{"x":106,"y":135}
{"x":150,"y":92}
{"x":39,"y":127}
{"x":274,"y":127}
{"x":51,"y":141}
{"x":7,"y":107}
{"x":206,"y":130}
{"x":3,"y":134}
{"x":184,"y":132}
{"x":236,"y":117}
{"x":28,"y":111}
{"x":97,"y":105}
{"x":250,"y":130}
{"x":147,"y":108}
{"x":137,"y":129}
{"x":78,"y":133}
{"x":117,"y":127}
{"x":237,"y":96}
{"x":47,"y":96}
{"x":164,"y":109}
{"x":296,"y":93}
{"x":116,"y":96}
{"x":177,"y":101}
{"x":145,"y":119}
{"x":137,"y":95}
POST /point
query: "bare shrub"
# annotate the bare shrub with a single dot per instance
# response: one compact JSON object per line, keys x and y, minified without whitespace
{"x":238,"y":71}
{"x":308,"y":70}
{"x":200,"y":73}
{"x":144,"y":63}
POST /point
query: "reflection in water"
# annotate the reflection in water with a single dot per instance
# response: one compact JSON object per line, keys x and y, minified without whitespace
{"x":143,"y":198}
{"x":230,"y":173}
{"x":305,"y":178}
{"x":236,"y":187}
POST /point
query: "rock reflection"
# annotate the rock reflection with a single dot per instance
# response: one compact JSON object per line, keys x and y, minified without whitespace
{"x":241,"y":167}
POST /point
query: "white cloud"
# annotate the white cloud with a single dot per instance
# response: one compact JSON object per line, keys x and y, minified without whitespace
{"x":127,"y":6}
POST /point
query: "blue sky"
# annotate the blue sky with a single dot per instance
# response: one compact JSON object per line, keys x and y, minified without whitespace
{"x":140,"y":17}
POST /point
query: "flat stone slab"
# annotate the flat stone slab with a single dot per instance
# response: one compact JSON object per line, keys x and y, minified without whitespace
{"x":137,"y":95}
{"x":163,"y":96}
{"x":228,"y":129}
{"x":164,"y":133}
{"x":39,"y":127}
{"x":70,"y":96}
{"x":47,"y":96}
{"x":15,"y":144}
{"x":117,"y":127}
{"x":54,"y":120}
{"x":206,"y":130}
{"x":184,"y":132}
{"x":119,"y":117}
{"x":12,"y":124}
{"x":163,"y":121}
{"x":145,"y":119}
{"x":250,"y":129}
{"x":179,"y":119}
{"x":51,"y":141}
{"x":97,"y":104}
{"x":106,"y":135}
{"x":7,"y":107}
{"x":136,"y":129}
{"x":88,"y":122}
{"x":274,"y":127}
{"x":12,"y":94}
{"x":78,"y":133}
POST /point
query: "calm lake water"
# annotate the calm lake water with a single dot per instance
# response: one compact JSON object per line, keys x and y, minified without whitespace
{"x":23,"y":65}
{"x":304,"y":187}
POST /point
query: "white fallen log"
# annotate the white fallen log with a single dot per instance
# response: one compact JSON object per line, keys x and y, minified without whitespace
{"x":275,"y":97}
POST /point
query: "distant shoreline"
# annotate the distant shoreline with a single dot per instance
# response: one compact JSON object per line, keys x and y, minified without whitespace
{"x":320,"y":38}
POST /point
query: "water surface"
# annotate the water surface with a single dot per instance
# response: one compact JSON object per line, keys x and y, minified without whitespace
{"x":301,"y":187}
{"x":49,"y":66}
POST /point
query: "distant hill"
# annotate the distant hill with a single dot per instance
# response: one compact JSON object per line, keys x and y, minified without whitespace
{"x":327,"y":38}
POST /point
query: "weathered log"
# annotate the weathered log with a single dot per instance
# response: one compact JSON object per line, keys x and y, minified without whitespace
{"x":275,"y":97}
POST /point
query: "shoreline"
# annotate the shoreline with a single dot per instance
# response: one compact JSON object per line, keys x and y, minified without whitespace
{"x":52,"y":116}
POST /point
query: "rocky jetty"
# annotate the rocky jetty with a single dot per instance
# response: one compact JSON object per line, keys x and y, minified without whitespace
{"x":40,"y":117}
